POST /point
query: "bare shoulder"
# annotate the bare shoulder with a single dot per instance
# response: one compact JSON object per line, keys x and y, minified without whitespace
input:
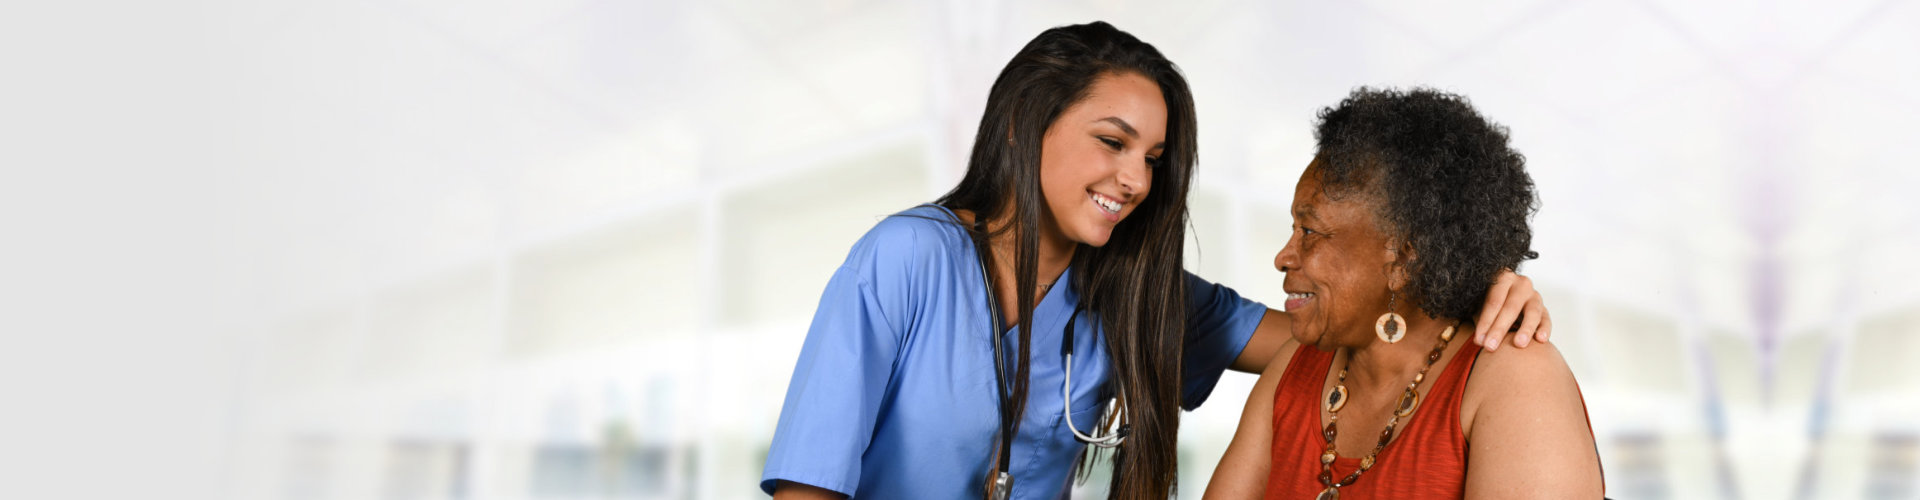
{"x":1282,"y":356}
{"x":1536,"y":366}
{"x":1512,"y":378}
{"x":1526,"y":428}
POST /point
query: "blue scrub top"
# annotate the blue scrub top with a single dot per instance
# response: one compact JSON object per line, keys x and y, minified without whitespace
{"x":893,"y":396}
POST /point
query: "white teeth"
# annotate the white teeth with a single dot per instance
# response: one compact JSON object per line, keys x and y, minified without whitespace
{"x":1106,"y":203}
{"x":1298,"y":296}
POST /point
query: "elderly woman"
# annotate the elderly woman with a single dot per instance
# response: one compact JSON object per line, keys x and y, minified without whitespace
{"x":1413,"y":204}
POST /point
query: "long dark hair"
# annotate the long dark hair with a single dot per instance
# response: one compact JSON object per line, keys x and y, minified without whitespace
{"x":1134,"y":287}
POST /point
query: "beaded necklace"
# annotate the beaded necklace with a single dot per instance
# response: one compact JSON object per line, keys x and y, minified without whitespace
{"x":1337,"y":399}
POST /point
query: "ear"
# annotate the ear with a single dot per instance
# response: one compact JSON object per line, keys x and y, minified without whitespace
{"x":1400,"y":256}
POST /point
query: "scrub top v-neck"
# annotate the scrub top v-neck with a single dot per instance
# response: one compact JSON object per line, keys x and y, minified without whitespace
{"x":893,"y":394}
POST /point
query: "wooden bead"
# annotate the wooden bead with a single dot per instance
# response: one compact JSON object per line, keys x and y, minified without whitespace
{"x":1446,"y":335}
{"x":1331,"y":493}
{"x":1366,"y":463}
{"x":1326,"y":458}
{"x":1331,"y":432}
{"x":1408,"y":401}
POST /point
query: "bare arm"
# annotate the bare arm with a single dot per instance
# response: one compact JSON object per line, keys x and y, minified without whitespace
{"x":1527,"y":432}
{"x":1511,"y":302}
{"x":1243,"y":470}
{"x":788,"y":490}
{"x":1275,"y":329}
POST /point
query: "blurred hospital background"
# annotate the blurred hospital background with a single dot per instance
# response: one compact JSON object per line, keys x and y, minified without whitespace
{"x":569,"y":249}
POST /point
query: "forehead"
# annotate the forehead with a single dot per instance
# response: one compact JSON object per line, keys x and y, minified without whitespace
{"x":1127,"y":96}
{"x":1307,"y":195}
{"x":1310,"y":200}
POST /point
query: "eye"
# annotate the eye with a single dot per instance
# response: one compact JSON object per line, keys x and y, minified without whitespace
{"x":1153,"y":162}
{"x":1111,"y":144}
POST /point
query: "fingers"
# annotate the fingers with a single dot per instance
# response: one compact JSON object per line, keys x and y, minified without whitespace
{"x":1496,"y":298}
{"x":1546,"y":326}
{"x":1517,"y":297}
{"x":1529,"y":324}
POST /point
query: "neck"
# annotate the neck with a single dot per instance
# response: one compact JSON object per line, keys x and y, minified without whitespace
{"x":1376,"y":363}
{"x":1053,"y":258}
{"x":1056,"y":251}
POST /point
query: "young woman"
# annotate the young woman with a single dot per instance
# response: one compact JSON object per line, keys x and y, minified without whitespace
{"x":974,"y":347}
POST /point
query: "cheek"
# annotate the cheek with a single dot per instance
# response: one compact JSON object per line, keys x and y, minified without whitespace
{"x":1343,"y":289}
{"x":1056,"y":183}
{"x":1061,"y":168}
{"x":1309,"y":258}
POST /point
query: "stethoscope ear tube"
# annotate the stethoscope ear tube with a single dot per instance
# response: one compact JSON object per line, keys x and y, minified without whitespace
{"x":1108,"y":441}
{"x":1112,"y":440}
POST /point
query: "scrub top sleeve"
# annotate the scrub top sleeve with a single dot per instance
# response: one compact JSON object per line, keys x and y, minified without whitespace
{"x":845,"y":366}
{"x":1219,"y":324}
{"x":834,"y":397}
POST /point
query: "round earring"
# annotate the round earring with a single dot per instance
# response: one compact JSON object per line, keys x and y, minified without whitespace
{"x":1391,"y":327}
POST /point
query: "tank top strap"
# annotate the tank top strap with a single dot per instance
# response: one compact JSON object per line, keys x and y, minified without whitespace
{"x":1452,"y":385}
{"x":1307,"y":363}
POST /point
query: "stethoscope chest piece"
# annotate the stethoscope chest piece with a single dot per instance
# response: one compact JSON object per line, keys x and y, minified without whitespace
{"x":1002,"y":485}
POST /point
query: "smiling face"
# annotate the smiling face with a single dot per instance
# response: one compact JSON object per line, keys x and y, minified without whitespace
{"x":1096,"y":162}
{"x":1338,"y":264}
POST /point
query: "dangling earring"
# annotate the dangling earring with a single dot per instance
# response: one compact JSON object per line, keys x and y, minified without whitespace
{"x":1391,"y":327}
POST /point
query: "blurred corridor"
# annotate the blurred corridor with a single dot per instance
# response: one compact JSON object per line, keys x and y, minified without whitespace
{"x":569,"y":250}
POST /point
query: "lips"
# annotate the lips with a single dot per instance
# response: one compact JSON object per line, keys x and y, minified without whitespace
{"x":1108,"y":206}
{"x":1297,"y":300}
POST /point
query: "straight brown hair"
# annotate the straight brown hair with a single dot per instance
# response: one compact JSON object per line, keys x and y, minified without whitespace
{"x":1134,"y":289}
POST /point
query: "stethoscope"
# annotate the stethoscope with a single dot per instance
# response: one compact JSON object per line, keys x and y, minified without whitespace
{"x":1002,"y":479}
{"x":1113,"y":437}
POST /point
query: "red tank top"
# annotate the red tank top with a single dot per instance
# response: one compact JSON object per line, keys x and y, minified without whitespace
{"x":1427,"y":461}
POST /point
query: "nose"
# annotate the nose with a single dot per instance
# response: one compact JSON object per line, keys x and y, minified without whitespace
{"x":1289,"y":258}
{"x":1135,"y":179}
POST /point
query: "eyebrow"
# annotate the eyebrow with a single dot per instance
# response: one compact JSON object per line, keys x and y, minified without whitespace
{"x":1305,"y":212}
{"x":1124,"y":127}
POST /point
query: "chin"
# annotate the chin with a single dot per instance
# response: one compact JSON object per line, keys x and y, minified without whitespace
{"x":1301,"y":335}
{"x":1095,"y":238}
{"x":1304,"y":334}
